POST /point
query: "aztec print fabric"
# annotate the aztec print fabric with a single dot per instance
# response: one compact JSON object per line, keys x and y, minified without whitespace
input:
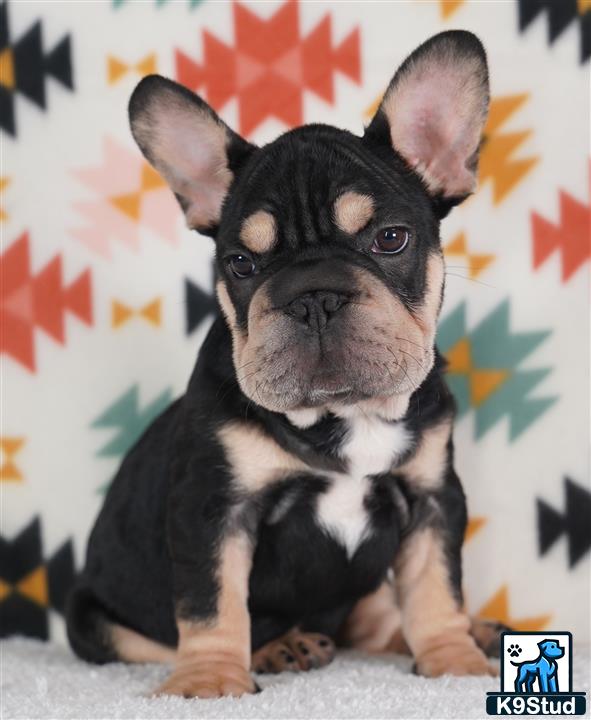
{"x":106,"y":297}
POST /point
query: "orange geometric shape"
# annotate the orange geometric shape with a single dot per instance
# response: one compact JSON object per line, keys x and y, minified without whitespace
{"x":5,"y":590}
{"x":130,"y":204}
{"x":4,"y":183}
{"x":459,"y":357}
{"x":9,"y":447}
{"x":7,"y":68}
{"x":474,"y":525}
{"x":28,"y":301}
{"x":497,"y":608}
{"x":483,"y":383}
{"x":449,"y":7}
{"x":152,"y":312}
{"x":271,"y":65}
{"x":120,"y":313}
{"x":34,"y":586}
{"x":476,"y":263}
{"x":151,"y":179}
{"x":571,"y":236}
{"x":496,"y":163}
{"x":116,"y":68}
{"x":583,"y":6}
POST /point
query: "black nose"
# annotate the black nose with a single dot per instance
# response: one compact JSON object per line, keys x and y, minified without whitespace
{"x":316,"y":308}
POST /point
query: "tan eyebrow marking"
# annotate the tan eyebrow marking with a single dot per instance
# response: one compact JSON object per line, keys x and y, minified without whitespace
{"x":352,"y":211}
{"x":259,"y":231}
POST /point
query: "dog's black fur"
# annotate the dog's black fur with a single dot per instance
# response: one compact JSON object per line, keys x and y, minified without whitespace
{"x":153,"y":555}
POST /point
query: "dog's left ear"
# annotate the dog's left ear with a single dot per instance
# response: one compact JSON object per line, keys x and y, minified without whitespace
{"x":434,"y":111}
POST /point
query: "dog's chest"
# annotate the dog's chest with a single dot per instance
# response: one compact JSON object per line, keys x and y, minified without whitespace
{"x":370,"y":448}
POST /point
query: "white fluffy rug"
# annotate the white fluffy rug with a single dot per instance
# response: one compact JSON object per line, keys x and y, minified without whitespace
{"x":46,"y":681}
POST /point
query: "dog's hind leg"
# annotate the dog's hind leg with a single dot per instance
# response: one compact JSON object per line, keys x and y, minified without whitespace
{"x":97,"y":637}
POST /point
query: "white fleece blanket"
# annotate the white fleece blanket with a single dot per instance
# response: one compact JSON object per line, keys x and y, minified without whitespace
{"x":46,"y":681}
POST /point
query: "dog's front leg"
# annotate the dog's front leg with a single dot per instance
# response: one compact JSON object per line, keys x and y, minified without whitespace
{"x":212,"y":555}
{"x":427,"y":570}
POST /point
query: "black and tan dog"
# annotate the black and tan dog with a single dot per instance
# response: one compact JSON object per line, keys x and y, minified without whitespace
{"x":302,"y":492}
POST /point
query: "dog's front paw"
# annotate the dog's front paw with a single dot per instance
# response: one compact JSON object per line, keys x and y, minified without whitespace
{"x":457,"y":659}
{"x":208,"y":679}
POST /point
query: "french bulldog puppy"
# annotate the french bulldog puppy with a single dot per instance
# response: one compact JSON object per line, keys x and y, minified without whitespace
{"x":302,"y":493}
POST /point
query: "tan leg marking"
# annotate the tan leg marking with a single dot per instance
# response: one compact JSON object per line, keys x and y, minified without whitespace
{"x":435,"y":627}
{"x":259,"y":232}
{"x":256,"y":458}
{"x":214,"y":656}
{"x":132,"y":647}
{"x":352,"y":211}
{"x":374,"y":624}
{"x":295,"y":651}
{"x":426,"y":467}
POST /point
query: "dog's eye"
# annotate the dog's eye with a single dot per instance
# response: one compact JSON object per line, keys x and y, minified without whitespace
{"x":241,"y":266}
{"x":391,"y":240}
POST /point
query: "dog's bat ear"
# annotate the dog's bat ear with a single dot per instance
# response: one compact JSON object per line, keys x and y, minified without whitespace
{"x":434,"y":111}
{"x":184,"y":139}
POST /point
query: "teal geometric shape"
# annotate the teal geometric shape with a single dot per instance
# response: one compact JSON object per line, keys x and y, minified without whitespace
{"x":511,"y":399}
{"x":460,"y":387}
{"x":452,"y":328}
{"x":124,"y":414}
{"x":494,"y":347}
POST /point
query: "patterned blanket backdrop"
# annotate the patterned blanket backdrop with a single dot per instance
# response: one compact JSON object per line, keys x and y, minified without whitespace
{"x":106,"y":297}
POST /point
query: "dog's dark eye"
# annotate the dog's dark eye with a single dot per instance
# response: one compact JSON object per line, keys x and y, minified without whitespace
{"x":391,"y":240}
{"x":241,"y":266}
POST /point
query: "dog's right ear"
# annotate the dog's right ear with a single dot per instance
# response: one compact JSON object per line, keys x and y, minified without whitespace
{"x":189,"y":145}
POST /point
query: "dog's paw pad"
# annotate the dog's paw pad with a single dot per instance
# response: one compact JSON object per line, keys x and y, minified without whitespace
{"x":514,"y":650}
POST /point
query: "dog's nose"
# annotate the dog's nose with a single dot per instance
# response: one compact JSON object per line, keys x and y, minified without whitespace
{"x":316,"y":308}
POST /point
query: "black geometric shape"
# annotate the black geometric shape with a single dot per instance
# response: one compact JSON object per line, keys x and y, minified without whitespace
{"x":22,"y":555}
{"x":31,"y":66}
{"x":561,"y":14}
{"x":60,"y":576}
{"x":21,"y":616}
{"x":199,"y":304}
{"x":575,"y":523}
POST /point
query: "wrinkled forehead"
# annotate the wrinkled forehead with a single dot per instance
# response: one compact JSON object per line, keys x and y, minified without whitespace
{"x":310,"y":184}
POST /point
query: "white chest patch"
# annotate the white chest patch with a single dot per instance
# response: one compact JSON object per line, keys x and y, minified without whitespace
{"x":370,"y":448}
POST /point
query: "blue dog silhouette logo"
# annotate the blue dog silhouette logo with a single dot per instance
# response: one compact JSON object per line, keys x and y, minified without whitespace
{"x":543,"y":669}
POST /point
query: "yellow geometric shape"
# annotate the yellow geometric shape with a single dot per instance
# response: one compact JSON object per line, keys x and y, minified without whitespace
{"x":483,"y":383}
{"x":7,"y":68}
{"x":372,"y":109}
{"x":115,"y":69}
{"x":459,"y":247}
{"x":497,"y":608}
{"x":120,"y":313}
{"x":448,"y":7}
{"x":10,"y":446}
{"x":34,"y":586}
{"x":474,"y":525}
{"x":459,"y":358}
{"x":151,"y":180}
{"x":583,"y":6}
{"x":129,"y":204}
{"x":478,"y":264}
{"x":501,"y":109}
{"x":147,"y":66}
{"x":5,"y":590}
{"x":151,"y":312}
{"x":4,"y":183}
